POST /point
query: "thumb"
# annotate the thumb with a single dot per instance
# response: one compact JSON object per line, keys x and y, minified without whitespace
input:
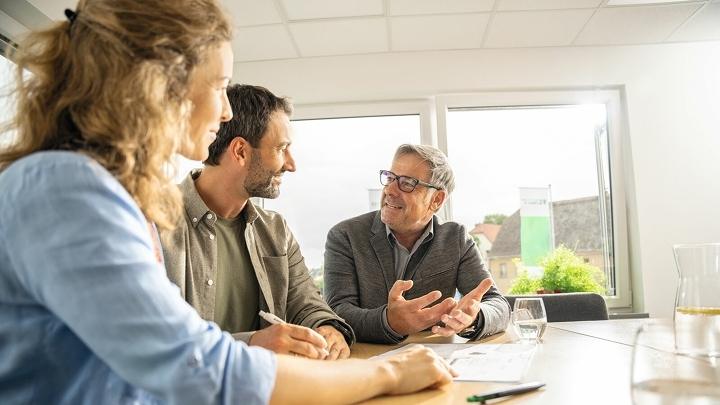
{"x":398,"y":288}
{"x":478,"y":292}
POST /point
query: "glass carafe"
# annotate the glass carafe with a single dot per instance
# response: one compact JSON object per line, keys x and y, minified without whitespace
{"x":697,"y":304}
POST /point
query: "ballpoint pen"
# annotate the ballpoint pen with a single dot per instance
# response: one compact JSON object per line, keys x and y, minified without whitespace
{"x":274,"y":320}
{"x":504,"y":392}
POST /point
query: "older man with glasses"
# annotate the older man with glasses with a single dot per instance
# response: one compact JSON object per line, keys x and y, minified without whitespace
{"x":393,"y":272}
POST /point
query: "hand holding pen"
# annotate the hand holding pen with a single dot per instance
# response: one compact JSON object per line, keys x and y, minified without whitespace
{"x":285,"y":338}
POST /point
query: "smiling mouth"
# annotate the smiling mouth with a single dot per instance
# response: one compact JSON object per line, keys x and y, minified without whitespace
{"x":395,"y":207}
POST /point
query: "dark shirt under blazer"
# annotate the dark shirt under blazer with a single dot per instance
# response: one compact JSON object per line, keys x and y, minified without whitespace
{"x":359,"y":273}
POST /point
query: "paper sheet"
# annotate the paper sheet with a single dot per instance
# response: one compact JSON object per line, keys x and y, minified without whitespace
{"x":505,"y":362}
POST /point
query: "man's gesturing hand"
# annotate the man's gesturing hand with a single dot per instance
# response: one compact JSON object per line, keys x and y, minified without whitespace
{"x":466,"y":311}
{"x":407,"y":317}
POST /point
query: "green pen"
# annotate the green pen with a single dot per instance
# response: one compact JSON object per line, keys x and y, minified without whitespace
{"x":504,"y":392}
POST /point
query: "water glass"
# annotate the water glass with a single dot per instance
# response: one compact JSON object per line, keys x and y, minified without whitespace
{"x":662,"y":376}
{"x":529,"y":319}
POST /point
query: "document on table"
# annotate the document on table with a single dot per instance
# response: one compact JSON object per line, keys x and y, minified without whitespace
{"x":505,"y":362}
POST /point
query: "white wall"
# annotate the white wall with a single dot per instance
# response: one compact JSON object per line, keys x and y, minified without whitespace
{"x":673,"y":108}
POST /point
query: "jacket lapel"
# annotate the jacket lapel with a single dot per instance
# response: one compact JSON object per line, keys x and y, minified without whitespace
{"x":383,"y":252}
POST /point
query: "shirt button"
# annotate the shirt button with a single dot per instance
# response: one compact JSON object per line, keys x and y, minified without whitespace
{"x":209,"y":216}
{"x":194,"y":219}
{"x":212,"y":237}
{"x":210,"y":282}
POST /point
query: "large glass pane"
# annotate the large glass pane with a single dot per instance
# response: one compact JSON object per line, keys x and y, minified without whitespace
{"x":562,"y":150}
{"x":337,"y":176}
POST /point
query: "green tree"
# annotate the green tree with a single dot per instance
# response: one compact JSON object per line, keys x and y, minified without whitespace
{"x":495,"y":219}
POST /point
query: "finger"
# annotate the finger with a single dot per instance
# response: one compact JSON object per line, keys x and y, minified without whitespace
{"x":344,"y":353}
{"x":308,"y":335}
{"x":471,"y":307}
{"x":305,"y":349}
{"x":334,"y":353}
{"x":434,"y":312}
{"x":427,"y":299}
{"x":398,"y":289}
{"x":478,"y":292}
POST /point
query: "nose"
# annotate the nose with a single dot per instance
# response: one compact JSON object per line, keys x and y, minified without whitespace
{"x":226,"y":114}
{"x":392,"y":188}
{"x":289,"y":161}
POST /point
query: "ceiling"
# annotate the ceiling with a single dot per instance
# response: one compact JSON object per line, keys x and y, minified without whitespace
{"x":291,"y":29}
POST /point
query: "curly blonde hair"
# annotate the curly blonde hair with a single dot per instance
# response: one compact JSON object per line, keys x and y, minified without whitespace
{"x":113,"y":84}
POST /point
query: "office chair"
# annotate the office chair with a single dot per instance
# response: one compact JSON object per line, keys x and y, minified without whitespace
{"x":567,"y":307}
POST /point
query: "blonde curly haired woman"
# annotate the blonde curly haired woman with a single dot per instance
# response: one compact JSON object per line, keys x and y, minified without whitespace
{"x":87,"y":314}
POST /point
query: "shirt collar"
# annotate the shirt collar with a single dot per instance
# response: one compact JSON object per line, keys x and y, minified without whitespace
{"x":426,"y":235}
{"x":196,"y":208}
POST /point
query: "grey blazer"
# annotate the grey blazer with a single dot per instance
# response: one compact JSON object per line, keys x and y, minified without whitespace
{"x":359,"y":272}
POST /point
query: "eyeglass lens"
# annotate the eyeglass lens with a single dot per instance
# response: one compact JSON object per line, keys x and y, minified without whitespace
{"x":405,"y":183}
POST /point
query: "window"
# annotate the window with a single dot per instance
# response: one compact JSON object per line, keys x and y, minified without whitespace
{"x":569,"y":140}
{"x":7,"y":77}
{"x":565,"y":142}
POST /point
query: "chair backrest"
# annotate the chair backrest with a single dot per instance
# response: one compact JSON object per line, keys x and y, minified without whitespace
{"x":567,"y":307}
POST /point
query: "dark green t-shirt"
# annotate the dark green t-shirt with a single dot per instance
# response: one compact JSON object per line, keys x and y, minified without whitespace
{"x":237,"y":289}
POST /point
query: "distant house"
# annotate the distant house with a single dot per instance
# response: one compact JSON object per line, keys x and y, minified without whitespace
{"x":486,"y":234}
{"x":576,"y":225}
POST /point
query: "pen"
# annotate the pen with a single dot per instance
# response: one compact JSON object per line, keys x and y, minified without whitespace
{"x":274,"y":320}
{"x":504,"y":392}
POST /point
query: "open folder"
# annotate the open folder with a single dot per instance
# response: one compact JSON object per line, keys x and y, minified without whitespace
{"x":505,"y":362}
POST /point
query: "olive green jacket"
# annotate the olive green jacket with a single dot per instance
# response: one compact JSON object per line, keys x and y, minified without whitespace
{"x":286,"y":288}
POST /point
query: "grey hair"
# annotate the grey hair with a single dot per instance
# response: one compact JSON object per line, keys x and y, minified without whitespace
{"x":441,"y":173}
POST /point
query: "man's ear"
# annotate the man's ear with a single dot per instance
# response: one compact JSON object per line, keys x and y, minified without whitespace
{"x":239,"y":149}
{"x":437,"y":199}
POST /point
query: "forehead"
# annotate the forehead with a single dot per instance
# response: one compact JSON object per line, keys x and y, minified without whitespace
{"x":411,"y":165}
{"x":218,"y":64}
{"x":278,"y":131}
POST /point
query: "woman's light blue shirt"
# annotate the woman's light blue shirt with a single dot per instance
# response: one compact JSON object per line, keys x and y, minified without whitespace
{"x":87,"y":314}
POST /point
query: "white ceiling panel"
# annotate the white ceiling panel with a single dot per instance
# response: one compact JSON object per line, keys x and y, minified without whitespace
{"x":253,"y":12}
{"x":509,"y":5}
{"x":263,"y":43}
{"x":539,"y":28}
{"x":316,"y":9}
{"x":424,"y":7}
{"x":634,"y":25}
{"x":463,"y":31}
{"x":702,"y":26}
{"x":323,"y":38}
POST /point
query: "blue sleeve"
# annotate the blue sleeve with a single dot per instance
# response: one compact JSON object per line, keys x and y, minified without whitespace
{"x":82,"y":248}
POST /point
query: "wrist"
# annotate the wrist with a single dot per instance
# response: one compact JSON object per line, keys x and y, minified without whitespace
{"x":388,"y":376}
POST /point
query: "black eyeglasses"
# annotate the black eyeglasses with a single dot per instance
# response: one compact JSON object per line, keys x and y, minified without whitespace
{"x":405,"y":183}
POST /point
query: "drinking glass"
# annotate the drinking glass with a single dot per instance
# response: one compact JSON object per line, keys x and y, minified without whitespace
{"x":662,"y":376}
{"x":529,"y":319}
{"x":697,"y":304}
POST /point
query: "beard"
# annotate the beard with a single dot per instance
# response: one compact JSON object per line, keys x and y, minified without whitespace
{"x":259,"y":181}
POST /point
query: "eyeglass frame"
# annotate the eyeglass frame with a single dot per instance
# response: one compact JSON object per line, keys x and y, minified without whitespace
{"x":404,"y":178}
